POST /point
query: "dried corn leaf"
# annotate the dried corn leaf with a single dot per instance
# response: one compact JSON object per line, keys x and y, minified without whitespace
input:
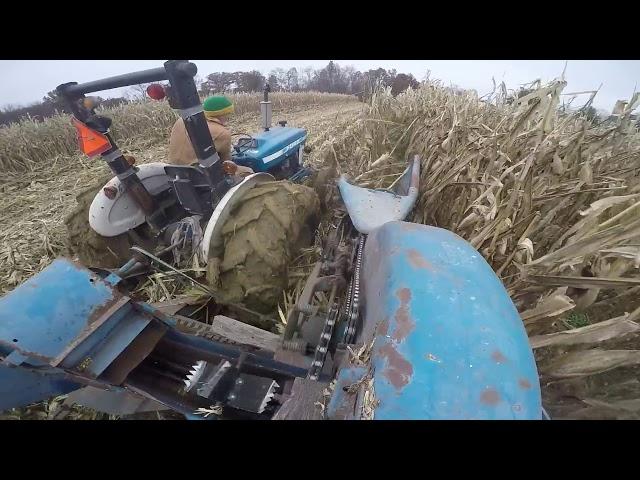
{"x":550,"y":307}
{"x":603,"y":204}
{"x":384,"y":158}
{"x":583,"y":282}
{"x":281,"y":315}
{"x":591,"y":243}
{"x":598,"y":332}
{"x":619,"y":107}
{"x":632,"y":405}
{"x":603,"y":411}
{"x":590,"y":362}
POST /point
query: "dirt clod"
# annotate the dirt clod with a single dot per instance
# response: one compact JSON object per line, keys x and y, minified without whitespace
{"x":92,"y":249}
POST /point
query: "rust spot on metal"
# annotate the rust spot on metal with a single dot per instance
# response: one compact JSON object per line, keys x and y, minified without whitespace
{"x":490,"y":397}
{"x":524,"y":383}
{"x":404,"y":322}
{"x":404,"y":294}
{"x":98,"y":312}
{"x":417,"y":260}
{"x":498,"y":357}
{"x":398,"y":371}
{"x":383,"y":327}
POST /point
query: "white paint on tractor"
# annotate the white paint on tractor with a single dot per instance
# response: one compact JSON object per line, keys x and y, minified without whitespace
{"x":279,"y":153}
{"x":109,"y":217}
{"x":221,"y":213}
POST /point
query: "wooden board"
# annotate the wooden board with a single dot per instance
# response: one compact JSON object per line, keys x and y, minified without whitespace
{"x":244,"y":334}
{"x":171,"y":307}
{"x":293,"y":358}
{"x":301,"y":402}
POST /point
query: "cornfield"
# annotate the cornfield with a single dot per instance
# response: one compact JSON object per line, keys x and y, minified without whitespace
{"x":30,"y":145}
{"x":551,"y":200}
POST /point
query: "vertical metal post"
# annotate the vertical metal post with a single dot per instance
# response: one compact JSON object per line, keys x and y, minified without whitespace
{"x":265,"y":109}
{"x":184,"y":95}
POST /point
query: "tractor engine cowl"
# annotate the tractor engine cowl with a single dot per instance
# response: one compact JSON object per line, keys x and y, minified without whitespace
{"x":274,"y":148}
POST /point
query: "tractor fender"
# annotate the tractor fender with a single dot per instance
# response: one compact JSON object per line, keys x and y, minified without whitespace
{"x":111,"y":217}
{"x":446,"y":340}
{"x":212,"y":240}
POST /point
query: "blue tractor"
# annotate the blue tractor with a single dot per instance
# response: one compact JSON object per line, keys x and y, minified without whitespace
{"x":396,"y":321}
{"x":277,"y":150}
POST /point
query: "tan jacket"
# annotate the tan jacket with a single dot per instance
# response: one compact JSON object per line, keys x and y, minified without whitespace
{"x":181,"y":151}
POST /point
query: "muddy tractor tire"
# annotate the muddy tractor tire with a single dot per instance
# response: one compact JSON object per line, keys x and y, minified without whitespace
{"x":263,"y":234}
{"x":92,"y":249}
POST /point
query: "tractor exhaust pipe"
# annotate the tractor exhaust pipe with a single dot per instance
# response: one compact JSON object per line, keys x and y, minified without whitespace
{"x":265,"y":109}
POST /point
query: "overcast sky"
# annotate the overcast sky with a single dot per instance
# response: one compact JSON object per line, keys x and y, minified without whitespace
{"x":26,"y":81}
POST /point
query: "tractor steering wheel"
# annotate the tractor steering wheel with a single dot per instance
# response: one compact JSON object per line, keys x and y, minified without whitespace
{"x":246,"y":145}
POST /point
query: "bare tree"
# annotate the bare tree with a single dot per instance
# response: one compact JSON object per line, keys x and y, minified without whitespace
{"x":307,"y":77}
{"x":198,"y":81}
{"x":250,"y":81}
{"x":280,"y":77}
{"x":293,"y":82}
{"x":137,"y":92}
{"x":401,"y":82}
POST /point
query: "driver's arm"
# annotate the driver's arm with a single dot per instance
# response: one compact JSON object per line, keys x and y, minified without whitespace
{"x":223,"y":145}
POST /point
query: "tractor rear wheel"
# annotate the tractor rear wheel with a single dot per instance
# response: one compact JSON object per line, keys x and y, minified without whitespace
{"x":263,"y":234}
{"x":92,"y":249}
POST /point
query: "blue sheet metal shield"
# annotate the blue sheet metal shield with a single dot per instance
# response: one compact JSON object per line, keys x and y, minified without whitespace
{"x":44,"y":315}
{"x":449,"y":343}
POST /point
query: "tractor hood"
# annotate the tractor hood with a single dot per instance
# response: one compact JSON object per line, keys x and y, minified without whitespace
{"x":272,"y":147}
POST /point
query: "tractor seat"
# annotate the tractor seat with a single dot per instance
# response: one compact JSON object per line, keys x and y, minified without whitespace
{"x":370,"y":209}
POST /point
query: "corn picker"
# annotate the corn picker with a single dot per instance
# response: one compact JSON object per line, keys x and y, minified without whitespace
{"x":412,"y":323}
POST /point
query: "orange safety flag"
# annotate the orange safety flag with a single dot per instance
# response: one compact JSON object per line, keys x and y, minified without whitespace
{"x":91,"y":142}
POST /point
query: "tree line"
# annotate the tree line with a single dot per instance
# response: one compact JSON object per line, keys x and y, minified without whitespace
{"x":331,"y":79}
{"x":49,"y":106}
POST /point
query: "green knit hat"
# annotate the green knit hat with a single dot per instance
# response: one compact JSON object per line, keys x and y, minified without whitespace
{"x":216,"y":106}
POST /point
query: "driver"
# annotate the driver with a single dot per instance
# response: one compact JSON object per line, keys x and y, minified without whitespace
{"x":217,"y":110}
